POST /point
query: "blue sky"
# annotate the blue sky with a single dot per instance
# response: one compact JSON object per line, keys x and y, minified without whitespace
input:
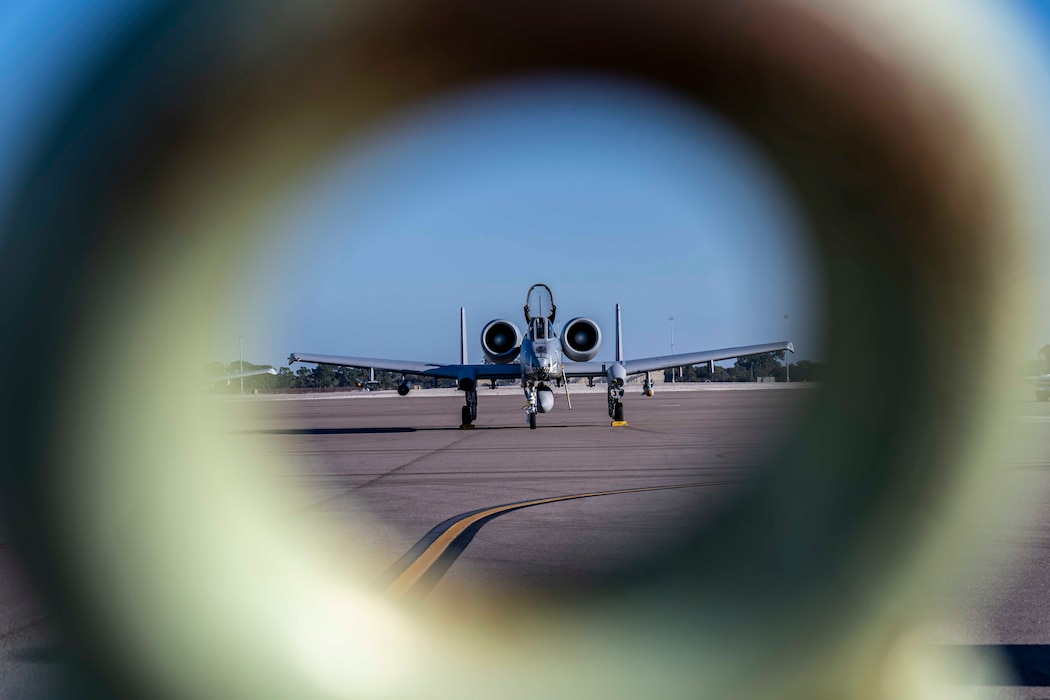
{"x":587,"y":185}
{"x":606,"y":191}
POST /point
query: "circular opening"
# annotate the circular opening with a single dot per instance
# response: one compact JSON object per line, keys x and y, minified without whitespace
{"x":612,"y":193}
{"x":899,"y":192}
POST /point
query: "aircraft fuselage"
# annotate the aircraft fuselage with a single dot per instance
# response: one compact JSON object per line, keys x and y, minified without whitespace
{"x":541,"y":359}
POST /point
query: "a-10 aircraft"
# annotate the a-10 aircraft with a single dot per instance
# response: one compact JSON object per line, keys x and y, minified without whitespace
{"x":537,"y":360}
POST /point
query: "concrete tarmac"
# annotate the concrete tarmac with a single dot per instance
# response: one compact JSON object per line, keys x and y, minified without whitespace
{"x":404,"y":466}
{"x":401,"y":466}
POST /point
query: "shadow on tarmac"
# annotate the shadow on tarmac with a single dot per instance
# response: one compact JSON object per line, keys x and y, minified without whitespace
{"x":329,"y":431}
{"x":383,"y":430}
{"x":1029,"y":663}
{"x":43,"y":655}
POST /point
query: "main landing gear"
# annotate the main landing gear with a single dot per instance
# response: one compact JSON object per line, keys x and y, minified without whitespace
{"x":470,"y":411}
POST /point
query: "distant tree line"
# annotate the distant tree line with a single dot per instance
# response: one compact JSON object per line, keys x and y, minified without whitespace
{"x":333,"y":378}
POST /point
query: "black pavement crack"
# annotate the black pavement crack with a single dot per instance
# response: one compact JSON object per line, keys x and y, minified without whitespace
{"x":393,"y":471}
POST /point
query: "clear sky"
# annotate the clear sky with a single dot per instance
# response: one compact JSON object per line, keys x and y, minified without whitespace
{"x":606,"y":191}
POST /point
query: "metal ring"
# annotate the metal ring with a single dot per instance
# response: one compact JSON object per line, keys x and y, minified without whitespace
{"x":199,"y":116}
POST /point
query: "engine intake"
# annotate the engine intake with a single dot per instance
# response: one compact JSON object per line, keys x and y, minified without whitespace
{"x":581,"y":339}
{"x":501,"y":341}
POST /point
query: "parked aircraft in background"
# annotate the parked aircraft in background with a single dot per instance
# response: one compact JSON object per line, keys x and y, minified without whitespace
{"x":540,"y":358}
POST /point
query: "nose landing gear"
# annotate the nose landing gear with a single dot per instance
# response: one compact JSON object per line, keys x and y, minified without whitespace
{"x":531,"y":406}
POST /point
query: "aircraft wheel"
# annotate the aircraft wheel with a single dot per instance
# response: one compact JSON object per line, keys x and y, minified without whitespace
{"x":532,"y":421}
{"x":466,"y":415}
{"x":618,"y":411}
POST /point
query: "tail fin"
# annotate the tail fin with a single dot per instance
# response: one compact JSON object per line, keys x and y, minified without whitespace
{"x":619,"y":336}
{"x":462,"y":336}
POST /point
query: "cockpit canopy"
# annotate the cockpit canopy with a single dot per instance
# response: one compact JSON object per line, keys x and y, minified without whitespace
{"x":539,"y":303}
{"x":540,"y":328}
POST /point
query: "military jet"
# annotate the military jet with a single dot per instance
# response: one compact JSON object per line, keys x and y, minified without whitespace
{"x":540,"y":359}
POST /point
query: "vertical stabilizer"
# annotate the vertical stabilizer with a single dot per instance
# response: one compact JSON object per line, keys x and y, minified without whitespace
{"x":619,"y":336}
{"x":462,"y":336}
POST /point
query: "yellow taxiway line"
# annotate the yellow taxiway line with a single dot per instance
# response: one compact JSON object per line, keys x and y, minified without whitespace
{"x":418,"y":568}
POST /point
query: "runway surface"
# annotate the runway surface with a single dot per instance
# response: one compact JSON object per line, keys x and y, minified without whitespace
{"x":404,"y":466}
{"x":454,"y":513}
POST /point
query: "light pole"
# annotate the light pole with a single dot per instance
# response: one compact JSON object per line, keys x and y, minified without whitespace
{"x":787,"y":337}
{"x":673,"y":369}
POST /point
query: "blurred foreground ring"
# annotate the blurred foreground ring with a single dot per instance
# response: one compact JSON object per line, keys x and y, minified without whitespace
{"x":163,"y":160}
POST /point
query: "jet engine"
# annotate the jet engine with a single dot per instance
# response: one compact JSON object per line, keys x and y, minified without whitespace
{"x":501,"y":341}
{"x":580,"y":339}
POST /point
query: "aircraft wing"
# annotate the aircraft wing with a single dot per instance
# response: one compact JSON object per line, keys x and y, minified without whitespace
{"x":426,"y":369}
{"x":238,"y":375}
{"x":649,"y":364}
{"x":588,"y":369}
